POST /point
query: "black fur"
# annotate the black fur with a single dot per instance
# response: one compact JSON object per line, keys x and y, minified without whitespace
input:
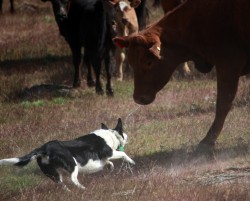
{"x":87,"y":24}
{"x":61,"y":153}
{"x":142,"y":14}
{"x":88,"y":154}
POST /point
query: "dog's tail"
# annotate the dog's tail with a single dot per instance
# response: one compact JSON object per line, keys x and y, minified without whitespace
{"x":21,"y":161}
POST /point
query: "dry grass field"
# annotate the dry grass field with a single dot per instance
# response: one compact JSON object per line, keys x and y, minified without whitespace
{"x":37,"y":104}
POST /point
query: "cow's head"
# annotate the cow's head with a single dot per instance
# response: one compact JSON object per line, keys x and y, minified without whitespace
{"x":60,"y":9}
{"x":125,"y":18}
{"x":152,"y":70}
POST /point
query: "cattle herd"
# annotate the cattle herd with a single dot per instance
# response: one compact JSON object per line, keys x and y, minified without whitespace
{"x":208,"y":32}
{"x":109,"y":18}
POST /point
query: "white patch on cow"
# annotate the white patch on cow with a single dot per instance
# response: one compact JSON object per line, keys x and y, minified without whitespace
{"x":123,"y":5}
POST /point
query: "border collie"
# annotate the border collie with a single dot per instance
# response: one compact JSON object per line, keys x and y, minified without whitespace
{"x":87,"y":154}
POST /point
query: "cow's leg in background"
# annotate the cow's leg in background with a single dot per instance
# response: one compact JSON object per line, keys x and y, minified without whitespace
{"x":90,"y":80}
{"x":142,"y":14}
{"x":76,"y":55}
{"x":12,"y":10}
{"x":109,"y":90}
{"x":96,"y":62}
{"x":120,"y":58}
{"x":183,"y":69}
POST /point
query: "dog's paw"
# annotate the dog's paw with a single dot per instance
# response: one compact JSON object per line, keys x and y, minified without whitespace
{"x":111,"y":166}
{"x":81,"y":187}
{"x":131,"y":161}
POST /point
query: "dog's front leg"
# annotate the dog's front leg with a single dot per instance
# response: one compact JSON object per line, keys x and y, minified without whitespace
{"x":111,"y":165}
{"x":123,"y":155}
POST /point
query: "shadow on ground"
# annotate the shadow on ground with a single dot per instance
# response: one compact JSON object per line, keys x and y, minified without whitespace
{"x":183,"y":157}
{"x":44,"y":91}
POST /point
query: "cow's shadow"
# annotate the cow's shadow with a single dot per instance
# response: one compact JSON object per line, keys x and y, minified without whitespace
{"x":44,"y":91}
{"x":183,"y":157}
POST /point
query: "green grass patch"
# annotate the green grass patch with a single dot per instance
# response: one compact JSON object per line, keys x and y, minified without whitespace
{"x":37,"y":103}
{"x":14,"y":178}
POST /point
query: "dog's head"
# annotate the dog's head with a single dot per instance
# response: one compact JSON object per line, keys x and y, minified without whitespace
{"x":118,"y":130}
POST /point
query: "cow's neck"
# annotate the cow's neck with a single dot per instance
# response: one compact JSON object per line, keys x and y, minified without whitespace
{"x":152,"y":33}
{"x":174,"y":25}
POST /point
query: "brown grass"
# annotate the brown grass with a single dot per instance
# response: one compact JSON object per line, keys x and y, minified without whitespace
{"x":38,"y":105}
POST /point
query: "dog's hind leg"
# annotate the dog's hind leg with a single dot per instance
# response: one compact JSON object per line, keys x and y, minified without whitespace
{"x":74,"y":179}
{"x":51,"y":172}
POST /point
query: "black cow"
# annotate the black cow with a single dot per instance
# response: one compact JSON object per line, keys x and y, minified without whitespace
{"x":87,"y":24}
{"x":12,"y":10}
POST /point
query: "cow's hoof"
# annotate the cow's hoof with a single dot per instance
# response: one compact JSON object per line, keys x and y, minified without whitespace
{"x":91,"y":83}
{"x":99,"y":91}
{"x":204,"y":150}
{"x":110,"y":92}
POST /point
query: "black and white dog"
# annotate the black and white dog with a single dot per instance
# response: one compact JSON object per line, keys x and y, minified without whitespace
{"x":87,"y":154}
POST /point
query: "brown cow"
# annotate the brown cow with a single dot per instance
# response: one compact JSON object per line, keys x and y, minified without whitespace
{"x":208,"y":31}
{"x":126,"y":24}
{"x":168,"y":5}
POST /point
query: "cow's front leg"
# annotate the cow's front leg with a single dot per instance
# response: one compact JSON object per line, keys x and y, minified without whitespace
{"x":96,"y":62}
{"x":120,"y":58}
{"x":90,"y":80}
{"x":227,"y":83}
{"x":12,"y":9}
{"x":76,"y":55}
{"x":109,"y":90}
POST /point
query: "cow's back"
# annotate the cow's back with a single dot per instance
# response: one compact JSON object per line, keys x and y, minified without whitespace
{"x":208,"y":23}
{"x":242,"y":19}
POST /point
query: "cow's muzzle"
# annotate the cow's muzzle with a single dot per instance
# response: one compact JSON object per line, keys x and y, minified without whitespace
{"x":61,"y":17}
{"x":143,"y":99}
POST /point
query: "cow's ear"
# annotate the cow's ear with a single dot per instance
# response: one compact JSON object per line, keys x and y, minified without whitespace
{"x":121,"y":42}
{"x":155,"y":50}
{"x":104,"y":127}
{"x":113,"y":2}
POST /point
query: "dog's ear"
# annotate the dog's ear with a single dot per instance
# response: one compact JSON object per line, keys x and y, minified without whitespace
{"x":118,"y":127}
{"x":104,"y":127}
